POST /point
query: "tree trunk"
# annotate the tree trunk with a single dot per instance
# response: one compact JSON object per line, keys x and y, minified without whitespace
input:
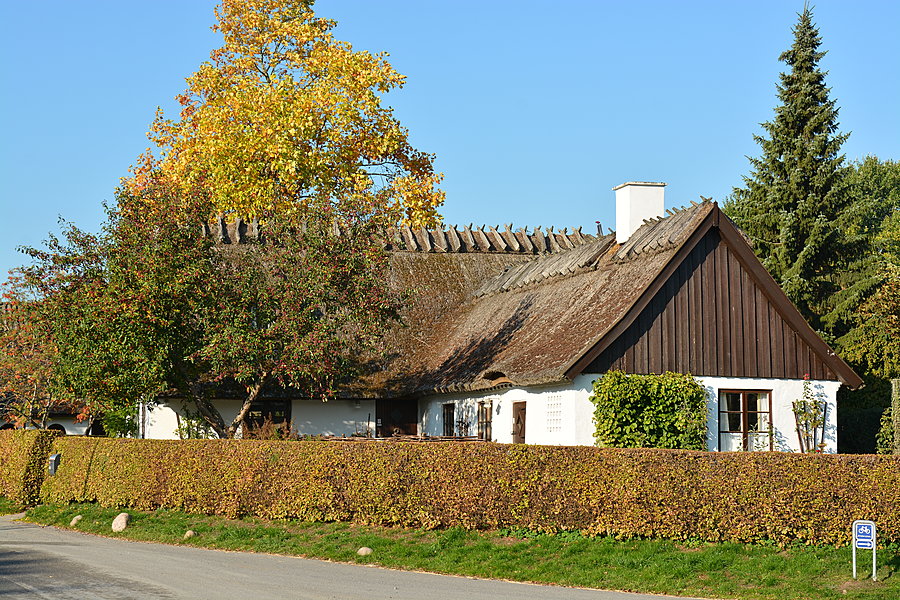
{"x":211,"y":414}
{"x":248,"y":401}
{"x":207,"y":410}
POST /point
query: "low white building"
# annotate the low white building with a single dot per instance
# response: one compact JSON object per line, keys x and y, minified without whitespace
{"x":563,"y":415}
{"x":340,"y":417}
{"x":64,"y":423}
{"x":506,"y":331}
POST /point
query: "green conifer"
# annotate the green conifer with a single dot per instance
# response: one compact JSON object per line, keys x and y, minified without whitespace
{"x":872,"y":213}
{"x":793,"y":199}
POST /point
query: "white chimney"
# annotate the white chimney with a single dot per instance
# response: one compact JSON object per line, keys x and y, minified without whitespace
{"x":636,"y":201}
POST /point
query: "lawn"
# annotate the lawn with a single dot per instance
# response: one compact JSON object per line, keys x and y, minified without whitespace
{"x":8,"y":507}
{"x":655,"y":566}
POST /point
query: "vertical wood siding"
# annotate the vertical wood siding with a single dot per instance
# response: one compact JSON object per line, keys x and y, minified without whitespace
{"x":712,"y":318}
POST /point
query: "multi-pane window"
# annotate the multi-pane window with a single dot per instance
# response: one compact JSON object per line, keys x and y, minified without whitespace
{"x":276,"y":410}
{"x":554,"y":413}
{"x":745,"y":420}
{"x":485,"y":408}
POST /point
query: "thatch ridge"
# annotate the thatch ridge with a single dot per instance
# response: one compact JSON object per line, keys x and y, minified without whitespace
{"x":467,"y":239}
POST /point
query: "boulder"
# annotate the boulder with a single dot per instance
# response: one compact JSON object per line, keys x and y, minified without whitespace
{"x":189,"y":534}
{"x":120,"y":522}
{"x":364,"y":551}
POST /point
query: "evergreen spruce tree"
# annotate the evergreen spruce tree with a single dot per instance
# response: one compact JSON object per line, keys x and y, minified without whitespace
{"x":793,"y":198}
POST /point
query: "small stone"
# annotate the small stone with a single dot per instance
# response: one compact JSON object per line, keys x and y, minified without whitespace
{"x":364,"y":551}
{"x":120,"y":522}
{"x":74,"y":520}
{"x":189,"y":534}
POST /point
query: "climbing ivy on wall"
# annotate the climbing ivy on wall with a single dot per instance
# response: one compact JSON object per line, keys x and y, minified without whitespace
{"x":649,"y":411}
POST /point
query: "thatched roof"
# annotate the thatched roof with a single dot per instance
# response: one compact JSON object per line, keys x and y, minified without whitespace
{"x":483,"y":317}
{"x":496,"y":307}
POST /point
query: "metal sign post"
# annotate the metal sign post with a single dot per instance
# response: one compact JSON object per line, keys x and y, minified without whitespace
{"x":864,"y":538}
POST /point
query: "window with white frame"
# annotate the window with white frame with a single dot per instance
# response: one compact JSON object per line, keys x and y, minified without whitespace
{"x":554,"y":413}
{"x":745,"y":420}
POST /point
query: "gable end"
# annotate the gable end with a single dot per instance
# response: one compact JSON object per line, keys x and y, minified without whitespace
{"x":715,"y":310}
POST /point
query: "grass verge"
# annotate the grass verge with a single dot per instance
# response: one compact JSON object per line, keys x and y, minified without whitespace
{"x":8,"y":507}
{"x":654,"y":566}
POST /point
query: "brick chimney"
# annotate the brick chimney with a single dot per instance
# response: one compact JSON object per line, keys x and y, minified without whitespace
{"x":635,"y":202}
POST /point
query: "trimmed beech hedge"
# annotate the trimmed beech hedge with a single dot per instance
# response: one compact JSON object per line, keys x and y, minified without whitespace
{"x":23,"y":463}
{"x":677,"y":494}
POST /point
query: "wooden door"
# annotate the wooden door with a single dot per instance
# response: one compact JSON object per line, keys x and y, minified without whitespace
{"x":518,"y":432}
{"x":449,"y":420}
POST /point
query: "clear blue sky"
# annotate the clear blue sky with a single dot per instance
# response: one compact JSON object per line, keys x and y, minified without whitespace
{"x":535,"y":110}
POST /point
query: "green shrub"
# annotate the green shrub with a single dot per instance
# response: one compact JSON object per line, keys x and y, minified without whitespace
{"x":649,"y":411}
{"x":884,"y":439}
{"x":673,"y":494}
{"x":23,"y":463}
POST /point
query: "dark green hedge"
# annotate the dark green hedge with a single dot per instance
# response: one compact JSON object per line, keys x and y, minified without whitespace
{"x":23,"y":463}
{"x":649,"y":411}
{"x":626,"y":492}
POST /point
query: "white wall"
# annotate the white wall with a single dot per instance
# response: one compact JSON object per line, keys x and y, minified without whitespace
{"x":160,"y":422}
{"x":310,"y":417}
{"x":335,"y":417}
{"x":71,"y":427}
{"x":570,"y":402}
{"x":575,"y":412}
{"x":555,"y":415}
{"x":68,"y":423}
{"x":784,"y":393}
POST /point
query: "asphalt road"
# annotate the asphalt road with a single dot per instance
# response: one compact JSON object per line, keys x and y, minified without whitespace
{"x":48,"y":563}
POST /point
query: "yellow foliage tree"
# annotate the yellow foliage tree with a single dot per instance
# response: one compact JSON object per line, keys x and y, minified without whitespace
{"x":287,"y":119}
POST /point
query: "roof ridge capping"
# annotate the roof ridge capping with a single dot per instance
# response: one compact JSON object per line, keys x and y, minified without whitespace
{"x":656,"y":235}
{"x":659,"y":233}
{"x":496,"y":239}
{"x":449,"y":239}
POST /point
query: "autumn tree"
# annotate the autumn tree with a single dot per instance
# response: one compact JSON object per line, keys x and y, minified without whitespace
{"x":153,"y":306}
{"x":122,"y":306}
{"x":65,"y":287}
{"x":27,"y":358}
{"x":283,"y":126}
{"x":792,"y":201}
{"x":284,"y":118}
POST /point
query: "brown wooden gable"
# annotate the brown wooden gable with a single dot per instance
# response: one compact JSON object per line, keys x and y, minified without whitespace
{"x":716,"y":311}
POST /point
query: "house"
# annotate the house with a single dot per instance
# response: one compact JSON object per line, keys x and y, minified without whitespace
{"x":61,"y":417}
{"x":506,"y":331}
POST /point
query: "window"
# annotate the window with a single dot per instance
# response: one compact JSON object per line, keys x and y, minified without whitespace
{"x":485,"y":412}
{"x":745,"y":420}
{"x":554,"y":413}
{"x":278,"y":410}
{"x":449,"y":416}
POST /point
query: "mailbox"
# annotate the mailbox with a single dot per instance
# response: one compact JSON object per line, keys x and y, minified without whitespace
{"x":53,"y":463}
